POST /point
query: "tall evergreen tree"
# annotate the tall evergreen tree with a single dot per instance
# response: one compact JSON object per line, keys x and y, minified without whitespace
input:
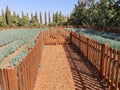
{"x":49,"y":17}
{"x":36,"y":17}
{"x":22,"y":14}
{"x":60,"y":14}
{"x":14,"y":14}
{"x":45,"y":18}
{"x":27,"y":15}
{"x":14,"y":19}
{"x":31,"y":18}
{"x":53,"y":17}
{"x":3,"y":18}
{"x":67,"y":17}
{"x":40,"y":17}
{"x":31,"y":15}
{"x":8,"y":16}
{"x":18,"y":16}
{"x":56,"y":17}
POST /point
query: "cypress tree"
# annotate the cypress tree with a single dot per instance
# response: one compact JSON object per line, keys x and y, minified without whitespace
{"x":22,"y":14}
{"x":36,"y":17}
{"x":27,"y":15}
{"x":3,"y":17}
{"x":15,"y":18}
{"x":18,"y":16}
{"x":40,"y":18}
{"x":53,"y":17}
{"x":14,"y":14}
{"x":60,"y":14}
{"x":31,"y":15}
{"x":45,"y":18}
{"x":8,"y":16}
{"x":67,"y":17}
{"x":49,"y":17}
{"x":56,"y":17}
{"x":31,"y":18}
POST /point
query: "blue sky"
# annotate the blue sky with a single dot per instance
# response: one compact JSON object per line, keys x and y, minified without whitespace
{"x":66,"y":6}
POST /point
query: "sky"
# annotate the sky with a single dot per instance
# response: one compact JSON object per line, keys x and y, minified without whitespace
{"x":66,"y":6}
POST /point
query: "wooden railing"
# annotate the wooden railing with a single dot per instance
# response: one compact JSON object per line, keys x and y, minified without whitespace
{"x":56,"y":36}
{"x":105,"y":60}
{"x":23,"y":75}
{"x":105,"y":29}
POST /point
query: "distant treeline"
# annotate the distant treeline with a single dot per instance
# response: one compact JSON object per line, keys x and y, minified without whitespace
{"x":96,"y":13}
{"x":8,"y":19}
{"x":99,"y":13}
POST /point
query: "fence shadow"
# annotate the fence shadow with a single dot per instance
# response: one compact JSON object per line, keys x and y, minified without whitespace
{"x":83,"y":77}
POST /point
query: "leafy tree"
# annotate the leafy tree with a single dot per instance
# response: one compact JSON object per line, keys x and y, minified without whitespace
{"x":34,"y":20}
{"x":58,"y":19}
{"x":14,"y":19}
{"x":100,"y":13}
{"x":19,"y":23}
{"x":25,"y":21}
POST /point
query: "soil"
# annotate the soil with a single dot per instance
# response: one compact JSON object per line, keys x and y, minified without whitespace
{"x":62,"y":68}
{"x":54,"y":73}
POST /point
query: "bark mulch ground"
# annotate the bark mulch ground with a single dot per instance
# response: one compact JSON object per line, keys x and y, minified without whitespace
{"x":62,"y":68}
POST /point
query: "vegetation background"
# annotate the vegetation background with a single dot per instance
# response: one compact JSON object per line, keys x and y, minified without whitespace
{"x":99,"y":13}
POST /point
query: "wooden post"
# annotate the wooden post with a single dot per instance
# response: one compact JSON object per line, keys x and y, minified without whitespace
{"x":0,"y":76}
{"x":103,"y":60}
{"x":56,"y":35}
{"x":71,"y":37}
{"x":88,"y":40}
{"x":117,"y":73}
{"x":12,"y":78}
{"x":4,"y":84}
{"x":80,"y":42}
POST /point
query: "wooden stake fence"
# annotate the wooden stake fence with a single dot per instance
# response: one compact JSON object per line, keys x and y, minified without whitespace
{"x":105,"y":60}
{"x":55,"y":37}
{"x":105,"y":29}
{"x":23,"y":75}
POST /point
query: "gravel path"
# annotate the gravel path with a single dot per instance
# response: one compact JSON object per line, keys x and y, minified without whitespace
{"x":54,"y":73}
{"x":63,"y":69}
